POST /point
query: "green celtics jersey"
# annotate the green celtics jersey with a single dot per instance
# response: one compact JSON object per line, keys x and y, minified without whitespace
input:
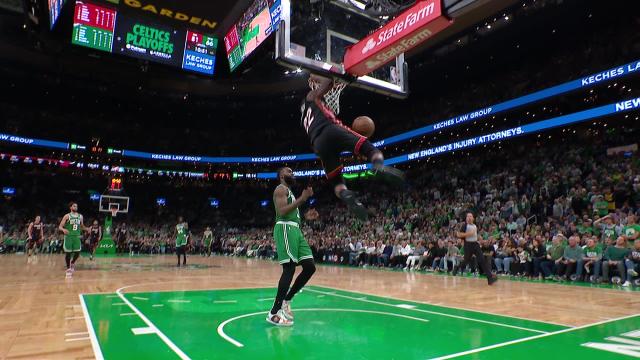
{"x":73,"y":225}
{"x":631,"y":230}
{"x":181,"y":237}
{"x":208,"y":235}
{"x":594,"y":252}
{"x":608,"y":231}
{"x":293,"y":215}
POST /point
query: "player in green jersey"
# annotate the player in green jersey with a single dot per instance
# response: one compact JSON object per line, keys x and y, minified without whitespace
{"x":291,"y":246}
{"x":72,"y":227}
{"x":182,"y":237}
{"x":207,"y":239}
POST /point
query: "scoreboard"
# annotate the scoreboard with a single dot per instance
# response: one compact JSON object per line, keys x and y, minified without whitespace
{"x":199,"y":52}
{"x":93,"y":26}
{"x":103,"y":29}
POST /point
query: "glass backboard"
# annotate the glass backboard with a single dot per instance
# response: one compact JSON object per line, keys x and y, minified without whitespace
{"x":315,"y":35}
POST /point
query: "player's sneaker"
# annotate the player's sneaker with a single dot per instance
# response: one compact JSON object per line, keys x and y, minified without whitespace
{"x":68,"y":273}
{"x":389,"y":174}
{"x":73,"y":268}
{"x":278,"y":319}
{"x":286,"y":309}
{"x":492,"y":280}
{"x":354,"y":205}
{"x":626,"y":283}
{"x":632,"y":272}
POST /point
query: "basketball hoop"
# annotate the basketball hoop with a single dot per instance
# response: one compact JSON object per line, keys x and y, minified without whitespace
{"x":332,"y":98}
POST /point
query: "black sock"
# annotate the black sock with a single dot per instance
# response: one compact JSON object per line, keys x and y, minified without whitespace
{"x":288,"y":270}
{"x":308,"y":268}
{"x":75,"y":257}
{"x":67,"y":259}
{"x":184,"y":259}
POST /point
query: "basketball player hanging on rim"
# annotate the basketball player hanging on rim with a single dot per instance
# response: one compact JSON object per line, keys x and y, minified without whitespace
{"x":72,"y":227}
{"x":291,"y":246}
{"x":330,"y":137}
{"x":95,"y":235}
{"x":35,"y":235}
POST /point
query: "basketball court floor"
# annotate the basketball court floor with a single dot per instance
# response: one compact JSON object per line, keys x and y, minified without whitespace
{"x":215,"y":308}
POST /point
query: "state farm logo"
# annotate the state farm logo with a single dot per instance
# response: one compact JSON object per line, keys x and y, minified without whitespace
{"x":369,"y":46}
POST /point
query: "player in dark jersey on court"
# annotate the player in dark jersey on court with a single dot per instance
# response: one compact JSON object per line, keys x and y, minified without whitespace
{"x":95,"y":235}
{"x":72,"y":227}
{"x":291,"y":246}
{"x":35,"y":235}
{"x":330,"y":137}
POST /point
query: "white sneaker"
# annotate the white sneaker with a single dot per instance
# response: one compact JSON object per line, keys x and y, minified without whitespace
{"x":626,"y":284}
{"x":68,"y":274}
{"x":278,"y":319}
{"x":286,"y":309}
{"x":404,"y":268}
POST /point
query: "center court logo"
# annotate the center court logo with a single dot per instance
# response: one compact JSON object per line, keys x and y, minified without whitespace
{"x":369,"y":46}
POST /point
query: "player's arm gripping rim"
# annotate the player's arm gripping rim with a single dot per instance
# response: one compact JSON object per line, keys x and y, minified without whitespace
{"x":280,"y":195}
{"x":324,"y":85}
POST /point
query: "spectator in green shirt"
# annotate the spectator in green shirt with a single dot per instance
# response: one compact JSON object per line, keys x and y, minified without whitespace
{"x":614,"y":257}
{"x":592,"y":259}
{"x":631,"y":232}
{"x":554,"y":256}
{"x":571,"y":259}
{"x":601,"y":206}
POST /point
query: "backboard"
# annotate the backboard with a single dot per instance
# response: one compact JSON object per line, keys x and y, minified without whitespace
{"x":110,"y":203}
{"x":314,"y":36}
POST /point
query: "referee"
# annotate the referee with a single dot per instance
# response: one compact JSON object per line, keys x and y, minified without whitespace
{"x":471,"y":247}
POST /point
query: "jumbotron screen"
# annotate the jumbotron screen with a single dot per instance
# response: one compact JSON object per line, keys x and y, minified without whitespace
{"x":93,"y":26}
{"x":149,"y":41}
{"x":104,"y":29}
{"x":255,"y":26}
{"x":55,"y":7}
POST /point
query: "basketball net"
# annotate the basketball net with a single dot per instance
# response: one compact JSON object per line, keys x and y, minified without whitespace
{"x":332,"y":98}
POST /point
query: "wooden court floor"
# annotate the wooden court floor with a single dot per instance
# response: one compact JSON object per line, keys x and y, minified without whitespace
{"x":41,"y":316}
